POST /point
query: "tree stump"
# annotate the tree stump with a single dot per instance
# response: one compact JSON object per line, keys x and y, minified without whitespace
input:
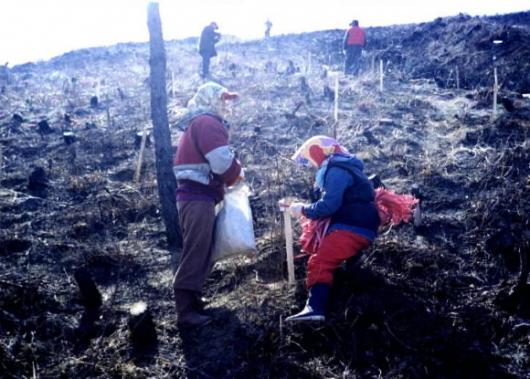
{"x":141,"y":327}
{"x":89,"y":293}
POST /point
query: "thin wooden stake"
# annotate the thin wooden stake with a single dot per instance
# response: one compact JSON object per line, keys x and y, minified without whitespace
{"x":336,"y":106}
{"x":172,"y":83}
{"x":109,"y":119}
{"x":380,"y":75}
{"x":140,"y":157}
{"x":288,"y":229}
{"x":457,"y":78}
{"x":1,"y":161}
{"x":495,"y":91}
{"x":281,"y":328}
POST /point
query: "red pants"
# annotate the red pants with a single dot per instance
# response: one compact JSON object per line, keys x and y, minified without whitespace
{"x":334,"y":248}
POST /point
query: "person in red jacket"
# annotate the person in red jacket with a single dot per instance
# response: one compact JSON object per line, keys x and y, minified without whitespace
{"x":203,"y":166}
{"x":353,"y":44}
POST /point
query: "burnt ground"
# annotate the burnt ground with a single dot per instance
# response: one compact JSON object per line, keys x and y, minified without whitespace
{"x":429,"y":300}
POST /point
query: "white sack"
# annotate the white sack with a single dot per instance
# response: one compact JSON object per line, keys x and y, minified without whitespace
{"x":234,"y":232}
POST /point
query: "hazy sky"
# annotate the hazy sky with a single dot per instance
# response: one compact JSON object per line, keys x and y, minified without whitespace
{"x":40,"y":29}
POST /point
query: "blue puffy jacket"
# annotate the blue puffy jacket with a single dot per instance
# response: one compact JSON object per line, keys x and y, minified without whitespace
{"x":348,"y":197}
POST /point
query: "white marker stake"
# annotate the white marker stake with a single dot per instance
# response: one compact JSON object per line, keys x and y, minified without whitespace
{"x":140,"y":157}
{"x":336,"y":109}
{"x":380,"y":75}
{"x":284,"y":208}
{"x":495,"y":91}
{"x":336,"y":106}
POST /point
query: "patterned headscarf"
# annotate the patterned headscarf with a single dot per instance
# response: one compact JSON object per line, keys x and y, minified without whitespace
{"x":316,"y":150}
{"x":208,"y":98}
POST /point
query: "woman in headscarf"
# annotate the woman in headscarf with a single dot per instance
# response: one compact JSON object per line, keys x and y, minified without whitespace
{"x":349,"y":201}
{"x":203,"y":166}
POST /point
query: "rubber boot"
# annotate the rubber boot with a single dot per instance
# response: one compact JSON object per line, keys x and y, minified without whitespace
{"x":187,"y":315}
{"x":315,"y":307}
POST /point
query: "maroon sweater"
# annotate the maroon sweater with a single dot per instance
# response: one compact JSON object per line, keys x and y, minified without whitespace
{"x":204,"y":164}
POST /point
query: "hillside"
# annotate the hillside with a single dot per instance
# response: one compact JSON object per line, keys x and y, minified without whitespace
{"x":435,"y":299}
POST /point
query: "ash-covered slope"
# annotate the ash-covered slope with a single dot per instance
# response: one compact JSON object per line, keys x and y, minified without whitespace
{"x":432,"y":300}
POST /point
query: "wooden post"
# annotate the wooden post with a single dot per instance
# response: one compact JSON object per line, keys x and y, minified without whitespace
{"x":524,"y":257}
{"x":457,"y":78}
{"x":109,"y":119}
{"x":172,"y":83}
{"x":336,"y":107}
{"x":1,"y":161}
{"x":140,"y":157}
{"x":288,"y":229}
{"x":495,"y":92}
{"x":380,"y":75}
{"x":166,"y":181}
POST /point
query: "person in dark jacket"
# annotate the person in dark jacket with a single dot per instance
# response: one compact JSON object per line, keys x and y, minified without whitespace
{"x":203,"y":166}
{"x":268,"y":26}
{"x":209,"y":37}
{"x":349,"y":201}
{"x":353,"y":44}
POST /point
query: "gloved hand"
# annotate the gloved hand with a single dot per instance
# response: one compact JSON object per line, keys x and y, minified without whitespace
{"x":296,"y":209}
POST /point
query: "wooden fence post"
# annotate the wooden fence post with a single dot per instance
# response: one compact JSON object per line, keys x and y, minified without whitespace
{"x":288,"y":229}
{"x":495,"y":91}
{"x":336,"y":107}
{"x":140,"y":157}
{"x":380,"y":75}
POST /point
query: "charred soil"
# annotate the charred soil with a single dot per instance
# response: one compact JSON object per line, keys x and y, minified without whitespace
{"x":81,"y":243}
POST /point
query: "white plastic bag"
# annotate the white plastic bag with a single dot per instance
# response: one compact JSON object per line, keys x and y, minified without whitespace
{"x":234,"y":232}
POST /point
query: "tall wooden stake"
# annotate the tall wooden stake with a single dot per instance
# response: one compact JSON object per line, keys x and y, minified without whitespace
{"x":380,"y":75}
{"x":495,"y":91}
{"x":336,"y":108}
{"x":163,"y":152}
{"x":109,"y":119}
{"x":140,"y":157}
{"x":457,"y":78}
{"x":288,"y":229}
{"x":172,"y":83}
{"x":1,"y":161}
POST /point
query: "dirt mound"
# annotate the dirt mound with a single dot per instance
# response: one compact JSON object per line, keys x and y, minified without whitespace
{"x":81,"y":244}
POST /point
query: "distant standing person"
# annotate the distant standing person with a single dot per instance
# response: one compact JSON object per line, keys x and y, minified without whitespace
{"x":268,"y":26}
{"x":209,"y":37}
{"x":354,"y":42}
